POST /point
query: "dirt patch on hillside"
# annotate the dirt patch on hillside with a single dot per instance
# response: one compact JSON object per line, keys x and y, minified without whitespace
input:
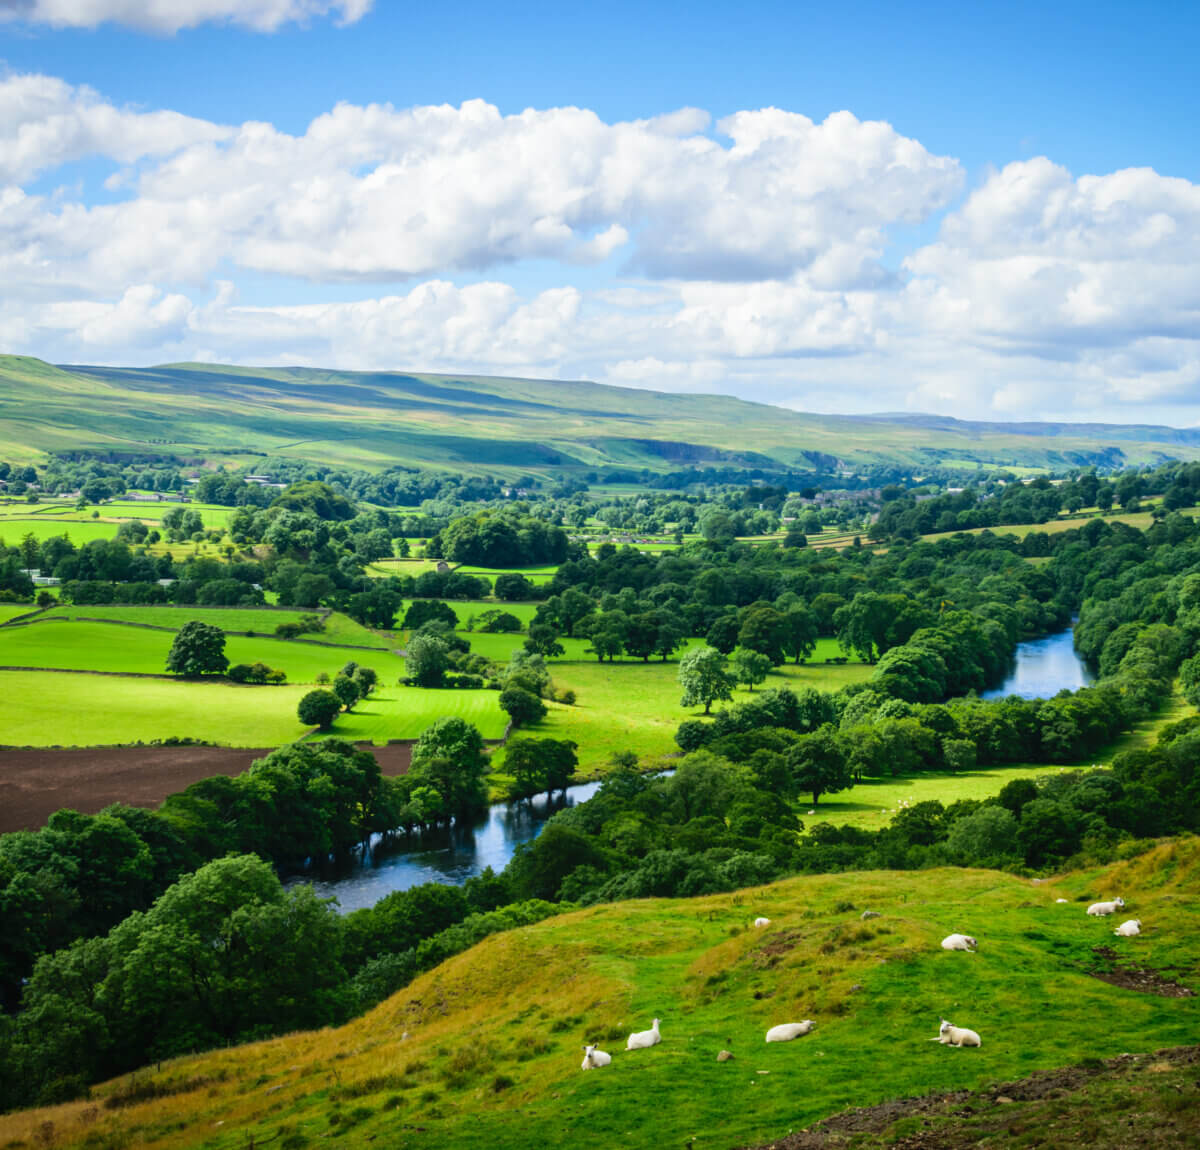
{"x":1050,"y":1108}
{"x":34,"y":783}
{"x":1138,"y":978}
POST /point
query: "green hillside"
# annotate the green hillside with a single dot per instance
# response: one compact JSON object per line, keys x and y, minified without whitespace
{"x":507,"y":427}
{"x":485,"y":1048}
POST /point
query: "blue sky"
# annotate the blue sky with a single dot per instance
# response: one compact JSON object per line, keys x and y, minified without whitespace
{"x":987,"y":255}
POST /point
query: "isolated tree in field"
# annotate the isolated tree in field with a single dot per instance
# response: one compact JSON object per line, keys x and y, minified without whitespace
{"x":818,"y":763}
{"x":346,"y":690}
{"x":365,"y":679}
{"x":199,"y":648}
{"x":703,"y":678}
{"x":748,"y":666}
{"x":426,"y":659}
{"x":319,"y":708}
{"x":522,"y":707}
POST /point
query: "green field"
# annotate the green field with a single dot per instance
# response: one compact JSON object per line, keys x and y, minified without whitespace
{"x":48,"y":709}
{"x":11,"y":610}
{"x":79,"y":531}
{"x":628,"y":705}
{"x":395,"y":712}
{"x":484,"y":1050}
{"x":77,"y":646}
{"x":338,"y":628}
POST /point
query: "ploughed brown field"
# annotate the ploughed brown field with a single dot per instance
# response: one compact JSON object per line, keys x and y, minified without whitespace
{"x":34,"y":783}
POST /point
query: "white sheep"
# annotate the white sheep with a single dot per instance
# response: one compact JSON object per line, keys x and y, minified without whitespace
{"x":786,"y":1031}
{"x":641,"y":1039}
{"x":1129,"y":928}
{"x":949,"y":1035}
{"x":1100,"y":908}
{"x":959,"y":942}
{"x":593,"y":1059}
{"x":1062,"y":900}
{"x":760,"y":921}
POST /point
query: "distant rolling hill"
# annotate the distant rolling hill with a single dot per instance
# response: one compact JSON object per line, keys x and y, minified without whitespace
{"x":482,"y":424}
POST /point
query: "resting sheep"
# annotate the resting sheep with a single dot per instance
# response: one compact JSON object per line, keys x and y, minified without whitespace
{"x":949,"y":1035}
{"x":641,"y":1039}
{"x":593,"y":1059}
{"x":959,"y":942}
{"x":1100,"y":908}
{"x":1129,"y":928}
{"x":760,"y":921}
{"x":786,"y":1031}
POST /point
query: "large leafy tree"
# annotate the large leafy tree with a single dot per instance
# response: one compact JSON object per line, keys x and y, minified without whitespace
{"x":540,"y":764}
{"x":319,"y":708}
{"x":199,"y":648}
{"x":818,"y":763}
{"x":703,"y":677}
{"x":449,"y":758}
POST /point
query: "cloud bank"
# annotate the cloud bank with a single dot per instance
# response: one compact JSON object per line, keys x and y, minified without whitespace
{"x":757,"y":256}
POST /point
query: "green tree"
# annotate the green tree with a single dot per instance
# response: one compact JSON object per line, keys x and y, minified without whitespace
{"x":800,"y":630}
{"x":449,"y":757}
{"x":763,"y":629}
{"x":540,"y":764}
{"x":749,"y":666}
{"x":346,"y":690}
{"x":319,"y":708}
{"x":723,"y":634}
{"x":522,"y":707}
{"x":198,"y":648}
{"x":703,"y":678}
{"x":426,"y":659}
{"x":818,"y":764}
{"x":543,"y":640}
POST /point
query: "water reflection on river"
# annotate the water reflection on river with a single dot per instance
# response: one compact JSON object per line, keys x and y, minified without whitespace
{"x":443,"y":856}
{"x":1043,"y":667}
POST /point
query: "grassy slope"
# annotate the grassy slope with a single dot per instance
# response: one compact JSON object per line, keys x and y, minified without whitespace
{"x":477,"y":424}
{"x":493,"y":1040}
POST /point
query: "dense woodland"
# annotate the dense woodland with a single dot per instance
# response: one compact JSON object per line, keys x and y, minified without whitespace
{"x":134,"y":934}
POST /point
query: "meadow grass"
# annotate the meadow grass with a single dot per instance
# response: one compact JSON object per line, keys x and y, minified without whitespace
{"x":339,"y":628}
{"x":629,"y":705}
{"x":52,"y":709}
{"x":77,"y":646}
{"x":12,"y":610}
{"x":396,"y":712}
{"x":485,"y":1048}
{"x":79,"y":531}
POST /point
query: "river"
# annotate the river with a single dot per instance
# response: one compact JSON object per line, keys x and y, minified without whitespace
{"x":451,"y":856}
{"x":1043,"y":667}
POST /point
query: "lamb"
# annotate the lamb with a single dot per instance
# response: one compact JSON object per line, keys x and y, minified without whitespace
{"x":786,"y":1031}
{"x":760,"y":921}
{"x":642,"y":1039}
{"x":959,"y":942}
{"x":593,"y":1059}
{"x":949,"y":1035}
{"x":1129,"y":928}
{"x":1101,"y":908}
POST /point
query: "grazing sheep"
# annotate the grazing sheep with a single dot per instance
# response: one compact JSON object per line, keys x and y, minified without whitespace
{"x":593,"y":1059}
{"x":1129,"y":928}
{"x":949,"y":1035}
{"x":1100,"y":908}
{"x":959,"y":942}
{"x":1062,"y":900}
{"x":866,"y":914}
{"x":786,"y":1031}
{"x":760,"y":921}
{"x":641,"y":1039}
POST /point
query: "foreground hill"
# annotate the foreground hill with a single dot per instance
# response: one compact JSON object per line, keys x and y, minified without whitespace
{"x":485,"y":1049}
{"x":501,"y":426}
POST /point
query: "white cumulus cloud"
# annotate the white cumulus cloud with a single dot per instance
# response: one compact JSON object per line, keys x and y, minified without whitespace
{"x":166,"y":17}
